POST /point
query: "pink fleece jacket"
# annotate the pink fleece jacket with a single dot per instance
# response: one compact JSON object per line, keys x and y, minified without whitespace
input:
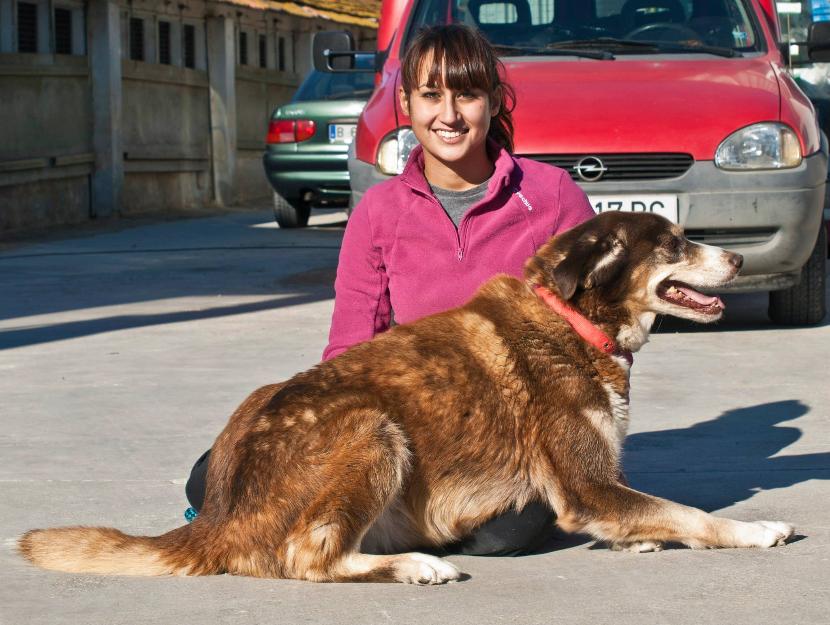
{"x":401,"y":252}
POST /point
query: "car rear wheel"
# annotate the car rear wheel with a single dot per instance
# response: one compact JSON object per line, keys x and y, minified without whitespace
{"x":291,"y":214}
{"x":804,"y":303}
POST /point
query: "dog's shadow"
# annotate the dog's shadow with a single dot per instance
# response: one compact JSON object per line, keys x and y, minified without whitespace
{"x":715,"y":464}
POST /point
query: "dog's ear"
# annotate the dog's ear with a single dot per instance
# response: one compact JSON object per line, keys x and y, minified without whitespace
{"x":592,"y":261}
{"x":569,"y":273}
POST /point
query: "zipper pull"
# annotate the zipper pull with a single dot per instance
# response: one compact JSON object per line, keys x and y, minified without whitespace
{"x":460,"y":254}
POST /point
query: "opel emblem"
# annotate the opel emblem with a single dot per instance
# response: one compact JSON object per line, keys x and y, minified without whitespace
{"x":590,"y":169}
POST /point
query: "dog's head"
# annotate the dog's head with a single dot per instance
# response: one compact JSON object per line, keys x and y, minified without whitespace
{"x":622,"y":269}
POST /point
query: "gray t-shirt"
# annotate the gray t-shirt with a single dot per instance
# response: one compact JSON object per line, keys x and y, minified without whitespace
{"x":456,"y":203}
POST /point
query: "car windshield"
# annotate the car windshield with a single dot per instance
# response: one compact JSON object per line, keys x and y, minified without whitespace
{"x":337,"y":86}
{"x":612,"y":27}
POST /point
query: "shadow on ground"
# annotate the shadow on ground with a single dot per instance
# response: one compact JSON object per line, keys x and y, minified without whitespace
{"x":61,"y":331}
{"x":715,"y":464}
{"x":242,"y":254}
{"x":298,"y":288}
{"x":738,"y":450}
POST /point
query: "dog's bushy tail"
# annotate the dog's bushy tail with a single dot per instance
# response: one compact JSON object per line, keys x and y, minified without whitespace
{"x":107,"y":551}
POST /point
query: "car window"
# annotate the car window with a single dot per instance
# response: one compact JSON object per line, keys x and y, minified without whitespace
{"x":337,"y":86}
{"x":537,"y":24}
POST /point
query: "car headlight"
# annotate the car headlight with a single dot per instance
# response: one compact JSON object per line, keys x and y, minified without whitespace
{"x":394,"y":150}
{"x":760,"y":146}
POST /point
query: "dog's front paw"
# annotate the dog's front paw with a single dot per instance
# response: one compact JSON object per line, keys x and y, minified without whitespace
{"x":640,"y":546}
{"x":420,"y":568}
{"x":762,"y":534}
{"x":776,"y":533}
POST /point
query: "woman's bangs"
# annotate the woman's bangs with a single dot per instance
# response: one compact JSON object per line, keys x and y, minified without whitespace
{"x":435,"y":79}
{"x":464,"y":69}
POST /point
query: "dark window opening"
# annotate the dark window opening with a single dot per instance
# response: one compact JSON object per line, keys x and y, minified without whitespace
{"x":281,"y":53}
{"x":243,"y":48}
{"x":189,"y":45}
{"x":164,"y":43}
{"x":136,"y":39}
{"x":26,"y":27}
{"x":263,"y":59}
{"x":63,"y":31}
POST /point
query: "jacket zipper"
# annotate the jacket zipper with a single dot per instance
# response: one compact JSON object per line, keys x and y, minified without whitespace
{"x":462,"y":229}
{"x":459,"y":250}
{"x":461,"y":232}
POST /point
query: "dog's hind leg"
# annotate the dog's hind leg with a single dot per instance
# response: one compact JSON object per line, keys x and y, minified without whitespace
{"x":363,"y":474}
{"x":634,"y":521}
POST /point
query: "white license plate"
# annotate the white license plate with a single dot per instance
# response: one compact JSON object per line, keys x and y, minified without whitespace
{"x":663,"y":204}
{"x":342,"y":133}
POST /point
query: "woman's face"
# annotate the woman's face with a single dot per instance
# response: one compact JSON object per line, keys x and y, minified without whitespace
{"x":450,"y":125}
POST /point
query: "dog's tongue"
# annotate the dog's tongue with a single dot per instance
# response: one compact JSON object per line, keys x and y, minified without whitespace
{"x":700,"y":298}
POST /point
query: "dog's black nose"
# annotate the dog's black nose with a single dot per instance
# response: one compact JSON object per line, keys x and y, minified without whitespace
{"x":736,"y":260}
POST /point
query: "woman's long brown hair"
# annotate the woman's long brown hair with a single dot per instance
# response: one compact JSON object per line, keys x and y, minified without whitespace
{"x":469,"y":62}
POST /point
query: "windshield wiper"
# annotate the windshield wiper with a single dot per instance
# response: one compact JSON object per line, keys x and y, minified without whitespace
{"x":642,"y":46}
{"x":600,"y":55}
{"x":610,"y":42}
{"x":679,"y":47}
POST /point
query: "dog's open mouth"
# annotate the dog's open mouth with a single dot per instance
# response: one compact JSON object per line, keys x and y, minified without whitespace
{"x":681,"y":294}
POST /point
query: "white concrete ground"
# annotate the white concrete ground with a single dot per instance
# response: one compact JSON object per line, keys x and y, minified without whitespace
{"x":122,"y":353}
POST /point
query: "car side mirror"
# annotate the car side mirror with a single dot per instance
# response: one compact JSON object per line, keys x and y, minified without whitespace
{"x":818,"y":42}
{"x":333,"y":50}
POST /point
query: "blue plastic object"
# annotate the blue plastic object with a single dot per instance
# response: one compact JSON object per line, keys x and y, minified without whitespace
{"x":190,"y":514}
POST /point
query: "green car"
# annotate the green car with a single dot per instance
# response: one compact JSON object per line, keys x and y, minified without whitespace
{"x":308,"y":140}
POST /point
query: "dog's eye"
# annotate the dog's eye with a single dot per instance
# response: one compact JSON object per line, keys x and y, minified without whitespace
{"x":674,"y":246}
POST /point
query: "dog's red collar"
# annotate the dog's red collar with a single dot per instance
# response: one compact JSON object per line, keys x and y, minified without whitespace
{"x":582,"y":326}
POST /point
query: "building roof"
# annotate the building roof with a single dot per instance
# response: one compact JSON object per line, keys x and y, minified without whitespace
{"x":353,"y":12}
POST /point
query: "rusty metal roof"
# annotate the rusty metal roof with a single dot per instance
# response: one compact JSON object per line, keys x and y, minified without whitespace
{"x":354,"y":12}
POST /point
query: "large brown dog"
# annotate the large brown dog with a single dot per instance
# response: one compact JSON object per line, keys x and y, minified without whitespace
{"x":417,"y":437}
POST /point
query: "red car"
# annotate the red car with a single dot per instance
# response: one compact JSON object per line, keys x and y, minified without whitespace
{"x":681,"y":107}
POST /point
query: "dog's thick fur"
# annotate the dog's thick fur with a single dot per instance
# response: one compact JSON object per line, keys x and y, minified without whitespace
{"x":417,"y":437}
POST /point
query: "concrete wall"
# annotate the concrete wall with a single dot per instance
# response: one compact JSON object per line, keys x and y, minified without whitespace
{"x":96,"y":133}
{"x":165,"y":138}
{"x":45,"y":140}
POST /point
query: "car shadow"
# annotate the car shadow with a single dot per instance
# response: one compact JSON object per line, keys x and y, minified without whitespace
{"x":715,"y":464}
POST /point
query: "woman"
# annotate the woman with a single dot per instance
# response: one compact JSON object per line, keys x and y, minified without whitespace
{"x":463,"y":210}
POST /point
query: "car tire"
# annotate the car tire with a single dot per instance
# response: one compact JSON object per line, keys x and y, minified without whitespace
{"x":291,"y":214}
{"x":804,"y":303}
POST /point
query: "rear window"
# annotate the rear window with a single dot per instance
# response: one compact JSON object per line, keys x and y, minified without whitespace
{"x":535,"y":24}
{"x":336,"y":86}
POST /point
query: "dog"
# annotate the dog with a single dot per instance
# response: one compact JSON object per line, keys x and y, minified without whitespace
{"x":417,"y":437}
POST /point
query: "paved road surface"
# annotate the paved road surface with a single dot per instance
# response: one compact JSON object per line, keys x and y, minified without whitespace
{"x":124,"y":351}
